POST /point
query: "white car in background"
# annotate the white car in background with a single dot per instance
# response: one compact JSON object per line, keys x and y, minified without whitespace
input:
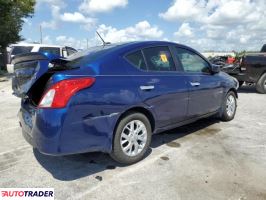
{"x":16,"y":49}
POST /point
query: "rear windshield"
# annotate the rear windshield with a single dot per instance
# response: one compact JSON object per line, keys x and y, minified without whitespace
{"x":20,"y":49}
{"x":84,"y":57}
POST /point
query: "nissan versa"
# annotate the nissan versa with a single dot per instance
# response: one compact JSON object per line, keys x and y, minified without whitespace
{"x":114,"y":97}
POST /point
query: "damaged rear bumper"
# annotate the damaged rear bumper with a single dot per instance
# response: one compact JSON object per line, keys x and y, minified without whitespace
{"x":53,"y":132}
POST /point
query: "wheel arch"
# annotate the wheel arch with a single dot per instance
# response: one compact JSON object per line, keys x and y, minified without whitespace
{"x":141,"y":110}
{"x":233,"y":90}
{"x":138,"y":109}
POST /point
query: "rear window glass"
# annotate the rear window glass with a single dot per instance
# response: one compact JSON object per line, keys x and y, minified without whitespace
{"x":159,"y":59}
{"x":137,"y":60}
{"x":20,"y":49}
{"x":50,"y":50}
{"x":85,"y":57}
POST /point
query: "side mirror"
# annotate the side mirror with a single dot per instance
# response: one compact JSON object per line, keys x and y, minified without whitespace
{"x":215,"y":69}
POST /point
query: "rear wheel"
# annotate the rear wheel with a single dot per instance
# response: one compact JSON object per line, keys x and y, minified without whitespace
{"x":261,"y":84}
{"x":132,"y":138}
{"x":229,"y":107}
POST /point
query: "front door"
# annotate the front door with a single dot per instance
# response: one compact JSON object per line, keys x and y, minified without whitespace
{"x":205,"y":88}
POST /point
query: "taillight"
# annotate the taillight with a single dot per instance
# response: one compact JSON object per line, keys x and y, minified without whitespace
{"x":58,"y":95}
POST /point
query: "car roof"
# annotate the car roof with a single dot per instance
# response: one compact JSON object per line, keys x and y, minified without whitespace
{"x":34,"y":45}
{"x":127,"y":46}
{"x":123,"y":48}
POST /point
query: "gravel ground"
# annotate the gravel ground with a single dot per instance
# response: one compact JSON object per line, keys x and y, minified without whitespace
{"x":205,"y":160}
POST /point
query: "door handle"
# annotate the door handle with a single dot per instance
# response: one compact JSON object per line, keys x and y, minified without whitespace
{"x":147,"y":87}
{"x":195,"y":84}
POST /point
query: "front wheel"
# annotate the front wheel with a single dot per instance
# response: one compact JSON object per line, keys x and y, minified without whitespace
{"x":132,"y":138}
{"x":261,"y":84}
{"x":229,"y":107}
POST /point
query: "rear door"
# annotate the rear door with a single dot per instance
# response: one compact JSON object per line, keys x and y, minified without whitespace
{"x":205,"y":88}
{"x":160,"y":86}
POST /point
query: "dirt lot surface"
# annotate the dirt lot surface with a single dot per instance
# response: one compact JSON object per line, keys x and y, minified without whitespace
{"x":205,"y":160}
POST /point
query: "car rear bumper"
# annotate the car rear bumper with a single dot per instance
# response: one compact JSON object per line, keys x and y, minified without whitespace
{"x":10,"y":68}
{"x":54,"y":132}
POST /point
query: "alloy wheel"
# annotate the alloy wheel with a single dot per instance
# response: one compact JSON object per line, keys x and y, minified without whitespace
{"x":230,"y":105}
{"x":133,"y":138}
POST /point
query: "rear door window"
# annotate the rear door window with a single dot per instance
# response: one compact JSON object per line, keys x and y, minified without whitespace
{"x":159,"y":59}
{"x":20,"y":49}
{"x":50,"y":50}
{"x":136,"y":59}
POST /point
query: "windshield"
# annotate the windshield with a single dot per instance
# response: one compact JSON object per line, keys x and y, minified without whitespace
{"x":20,"y":49}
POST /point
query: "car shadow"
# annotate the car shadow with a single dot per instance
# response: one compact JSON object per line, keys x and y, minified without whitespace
{"x":72,"y":167}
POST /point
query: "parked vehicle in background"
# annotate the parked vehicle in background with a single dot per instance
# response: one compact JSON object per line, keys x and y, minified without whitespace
{"x":223,"y":60}
{"x":250,"y":69}
{"x":16,"y":49}
{"x":263,"y":49}
{"x":112,"y":98}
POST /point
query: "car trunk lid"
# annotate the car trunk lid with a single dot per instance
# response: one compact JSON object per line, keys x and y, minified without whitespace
{"x":32,"y":68}
{"x":28,"y":68}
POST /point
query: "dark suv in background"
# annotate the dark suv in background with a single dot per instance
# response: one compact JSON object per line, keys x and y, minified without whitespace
{"x":251,"y":69}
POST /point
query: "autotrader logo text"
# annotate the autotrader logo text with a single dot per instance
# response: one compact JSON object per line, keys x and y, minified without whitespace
{"x":27,"y":193}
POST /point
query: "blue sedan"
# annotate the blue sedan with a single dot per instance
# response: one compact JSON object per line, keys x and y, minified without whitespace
{"x":113,"y":98}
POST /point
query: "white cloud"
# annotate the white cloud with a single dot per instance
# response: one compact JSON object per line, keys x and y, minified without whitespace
{"x":234,"y":12}
{"x":53,"y":24}
{"x":184,"y":30}
{"x":74,"y":42}
{"x":219,"y":24}
{"x":100,"y":6}
{"x":183,"y":10}
{"x":140,"y":31}
{"x":47,"y":40}
{"x":76,"y":17}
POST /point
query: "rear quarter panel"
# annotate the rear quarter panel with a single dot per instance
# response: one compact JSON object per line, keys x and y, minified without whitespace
{"x":93,"y":112}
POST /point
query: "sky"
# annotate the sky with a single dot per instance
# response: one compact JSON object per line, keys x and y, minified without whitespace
{"x":218,"y":25}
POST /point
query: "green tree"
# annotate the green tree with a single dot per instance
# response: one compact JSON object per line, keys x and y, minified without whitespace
{"x":12,"y":13}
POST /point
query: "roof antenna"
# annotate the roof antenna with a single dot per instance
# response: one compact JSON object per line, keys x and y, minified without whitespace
{"x":104,"y":43}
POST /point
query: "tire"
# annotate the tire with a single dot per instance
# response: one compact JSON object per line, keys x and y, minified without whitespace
{"x":228,"y":109}
{"x":261,"y":84}
{"x":140,"y":139}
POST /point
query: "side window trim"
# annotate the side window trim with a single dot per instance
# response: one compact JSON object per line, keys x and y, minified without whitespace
{"x":178,"y":64}
{"x":204,"y":73}
{"x":146,"y":64}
